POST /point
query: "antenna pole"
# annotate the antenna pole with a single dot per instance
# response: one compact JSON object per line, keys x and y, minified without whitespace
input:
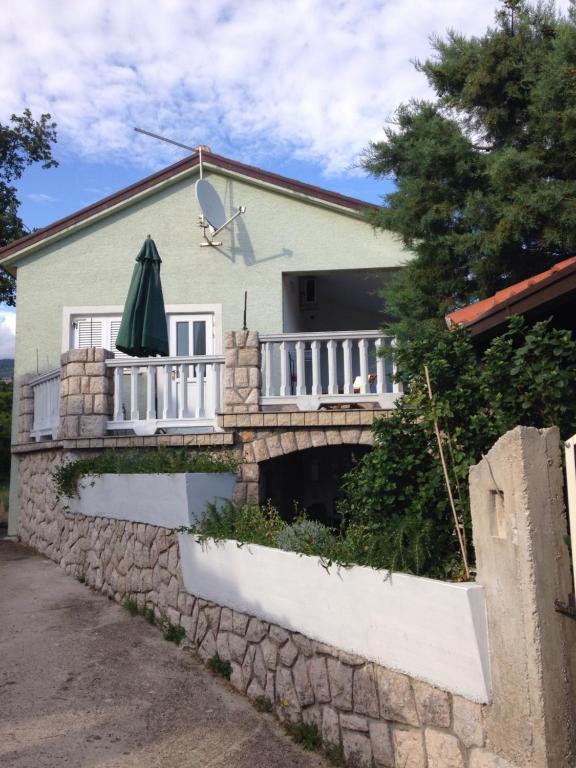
{"x":200,"y":159}
{"x":244,"y":327}
{"x":163,"y":138}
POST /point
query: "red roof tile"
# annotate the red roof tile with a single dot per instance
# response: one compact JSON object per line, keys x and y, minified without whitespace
{"x":473,"y":312}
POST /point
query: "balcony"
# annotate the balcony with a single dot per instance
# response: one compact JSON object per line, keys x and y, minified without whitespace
{"x":94,"y":394}
{"x":310,"y":370}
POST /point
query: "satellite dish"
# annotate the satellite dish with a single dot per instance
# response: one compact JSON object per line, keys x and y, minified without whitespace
{"x":213,"y":216}
{"x":210,"y":204}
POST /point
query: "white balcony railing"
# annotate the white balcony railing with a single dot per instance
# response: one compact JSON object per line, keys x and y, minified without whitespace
{"x":166,"y":393}
{"x":312,"y":369}
{"x":46,"y":396}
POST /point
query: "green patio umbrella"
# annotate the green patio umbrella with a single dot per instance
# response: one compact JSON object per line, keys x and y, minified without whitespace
{"x":143,"y":330}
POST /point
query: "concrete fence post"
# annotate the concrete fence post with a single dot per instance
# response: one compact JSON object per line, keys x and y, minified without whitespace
{"x":86,"y":393}
{"x":523,"y":562}
{"x":242,"y":375}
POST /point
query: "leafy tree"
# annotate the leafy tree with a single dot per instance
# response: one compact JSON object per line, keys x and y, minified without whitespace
{"x":23,"y":141}
{"x":395,"y":503}
{"x":485,"y":172}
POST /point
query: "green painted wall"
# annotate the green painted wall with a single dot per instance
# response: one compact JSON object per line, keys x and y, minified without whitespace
{"x":278,"y":233}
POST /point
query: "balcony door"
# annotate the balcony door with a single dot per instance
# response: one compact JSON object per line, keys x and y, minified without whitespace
{"x":192,"y":336}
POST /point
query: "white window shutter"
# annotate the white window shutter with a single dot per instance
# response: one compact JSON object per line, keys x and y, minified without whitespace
{"x":88,"y":332}
{"x":114,"y":328}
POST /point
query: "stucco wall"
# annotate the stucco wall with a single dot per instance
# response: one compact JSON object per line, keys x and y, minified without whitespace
{"x":278,"y":233}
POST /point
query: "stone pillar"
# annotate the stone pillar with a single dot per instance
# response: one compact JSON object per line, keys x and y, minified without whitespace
{"x":25,"y":410}
{"x":242,"y":375}
{"x":523,"y":562}
{"x":86,"y":393}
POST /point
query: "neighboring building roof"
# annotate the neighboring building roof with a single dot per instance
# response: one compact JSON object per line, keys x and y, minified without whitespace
{"x":522,"y":297}
{"x":209,"y":160}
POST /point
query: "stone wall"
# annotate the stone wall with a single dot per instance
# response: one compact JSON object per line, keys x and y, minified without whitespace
{"x":86,"y":387}
{"x":378,"y":718}
{"x":242,"y":377}
{"x":25,"y":411}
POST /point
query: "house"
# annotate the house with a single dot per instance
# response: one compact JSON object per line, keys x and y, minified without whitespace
{"x":549,"y":294}
{"x":305,"y":258}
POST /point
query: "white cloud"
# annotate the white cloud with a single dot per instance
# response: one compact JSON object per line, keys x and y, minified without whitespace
{"x":7,"y":332}
{"x":312,"y":78}
{"x":40,"y":197}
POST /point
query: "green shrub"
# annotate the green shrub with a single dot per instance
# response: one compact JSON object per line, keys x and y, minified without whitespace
{"x":246,"y":523}
{"x":263,"y":704}
{"x":306,"y":734}
{"x":220,"y":667}
{"x":171,"y":632}
{"x":395,"y":505}
{"x":162,"y":460}
{"x":307,"y":536}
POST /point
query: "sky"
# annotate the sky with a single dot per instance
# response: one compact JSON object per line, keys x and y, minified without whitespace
{"x":297,"y":87}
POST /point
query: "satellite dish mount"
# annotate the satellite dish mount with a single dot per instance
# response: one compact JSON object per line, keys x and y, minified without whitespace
{"x":213,"y":218}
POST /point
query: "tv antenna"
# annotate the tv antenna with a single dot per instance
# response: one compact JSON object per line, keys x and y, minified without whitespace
{"x":213,"y":217}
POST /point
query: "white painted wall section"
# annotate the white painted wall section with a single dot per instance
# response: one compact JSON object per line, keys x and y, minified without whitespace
{"x":431,"y":630}
{"x":169,"y":500}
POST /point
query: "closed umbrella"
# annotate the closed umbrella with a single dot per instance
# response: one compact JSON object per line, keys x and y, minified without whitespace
{"x":143,"y":330}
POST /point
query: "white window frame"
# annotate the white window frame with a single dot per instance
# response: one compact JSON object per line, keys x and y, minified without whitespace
{"x":70,"y":313}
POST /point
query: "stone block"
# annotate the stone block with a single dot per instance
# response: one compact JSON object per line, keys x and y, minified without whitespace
{"x":318,"y":438}
{"x":250,"y":473}
{"x":229,"y":340}
{"x":288,"y":653}
{"x":443,"y":749}
{"x":74,"y":405}
{"x":288,"y":442}
{"x":241,"y":377}
{"x":260,"y":450}
{"x":249,"y":357}
{"x":382,"y":747}
{"x":354,"y":722}
{"x":432,"y":704}
{"x":73,"y":369}
{"x":303,"y":644}
{"x":259,"y":667}
{"x":237,"y":647}
{"x":340,"y":677}
{"x":312,"y":715}
{"x":75,"y":356}
{"x":254,"y":378}
{"x":231,"y":358}
{"x":396,"y":697}
{"x":409,"y":748}
{"x":330,"y":726}
{"x":302,"y":684}
{"x":208,"y":646}
{"x":318,"y":674}
{"x":226,"y":620}
{"x":350,"y":435}
{"x":278,"y":635}
{"x":274,"y":446}
{"x":467,"y":722}
{"x":365,"y":693}
{"x":254,"y":690}
{"x":357,"y":749}
{"x":92,"y":426}
{"x":240,"y":623}
{"x":240,"y":338}
{"x":256,"y":631}
{"x":480,"y":758}
{"x":100,"y":385}
{"x":269,"y":653}
{"x":95,"y":369}
{"x":303,"y":440}
{"x":248,"y":664}
{"x":287,"y":705}
{"x":252,"y":340}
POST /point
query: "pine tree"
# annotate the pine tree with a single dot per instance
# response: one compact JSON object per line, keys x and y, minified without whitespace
{"x":485,"y":172}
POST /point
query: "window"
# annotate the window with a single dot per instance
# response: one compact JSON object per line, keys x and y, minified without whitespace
{"x":96,"y":331}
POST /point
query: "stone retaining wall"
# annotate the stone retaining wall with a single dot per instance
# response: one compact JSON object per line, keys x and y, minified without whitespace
{"x":377,"y":718}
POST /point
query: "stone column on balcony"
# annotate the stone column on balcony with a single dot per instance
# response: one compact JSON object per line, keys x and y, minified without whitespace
{"x":25,"y":410}
{"x":86,"y":393}
{"x":242,"y":372}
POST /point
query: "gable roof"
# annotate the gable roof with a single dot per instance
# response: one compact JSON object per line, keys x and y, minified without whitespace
{"x":521,"y":297}
{"x":183,"y":167}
